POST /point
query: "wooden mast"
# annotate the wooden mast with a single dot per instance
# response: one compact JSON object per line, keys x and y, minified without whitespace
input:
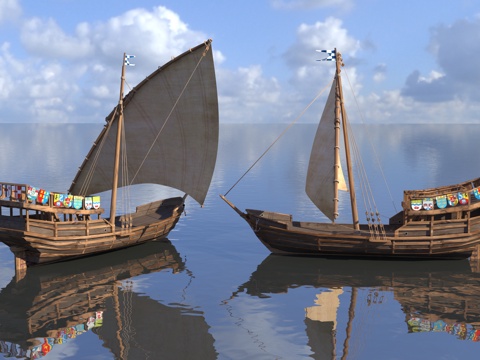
{"x":337,"y":164}
{"x":113,"y":205}
{"x":341,"y":108}
{"x":351,"y":315}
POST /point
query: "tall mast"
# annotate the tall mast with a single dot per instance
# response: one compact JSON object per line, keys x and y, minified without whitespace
{"x":340,"y":110}
{"x":337,"y":165}
{"x":351,"y":315}
{"x":113,"y":205}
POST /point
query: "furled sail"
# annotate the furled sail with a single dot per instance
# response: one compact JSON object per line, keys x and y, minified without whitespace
{"x":320,"y":186}
{"x":170,"y":128}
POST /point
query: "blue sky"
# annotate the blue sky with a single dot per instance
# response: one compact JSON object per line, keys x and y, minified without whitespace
{"x":407,"y":61}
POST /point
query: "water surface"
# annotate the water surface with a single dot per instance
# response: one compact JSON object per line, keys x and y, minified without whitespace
{"x":212,"y":291}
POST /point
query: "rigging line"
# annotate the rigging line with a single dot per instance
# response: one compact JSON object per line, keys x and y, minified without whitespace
{"x":126,"y":200}
{"x":89,"y":175}
{"x":239,"y":321}
{"x":371,"y":144}
{"x":278,"y":138}
{"x":367,"y":194}
{"x":207,"y":48}
{"x":128,"y":331}
{"x":363,"y":181}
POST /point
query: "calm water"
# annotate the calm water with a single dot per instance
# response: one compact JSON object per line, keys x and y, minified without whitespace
{"x":213,"y":291}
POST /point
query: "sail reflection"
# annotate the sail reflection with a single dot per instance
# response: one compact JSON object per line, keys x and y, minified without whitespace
{"x":435,"y":296}
{"x":55,"y":303}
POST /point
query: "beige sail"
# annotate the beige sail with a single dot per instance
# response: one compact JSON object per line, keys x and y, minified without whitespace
{"x":171,"y":130}
{"x":326,"y":307}
{"x":320,"y":185}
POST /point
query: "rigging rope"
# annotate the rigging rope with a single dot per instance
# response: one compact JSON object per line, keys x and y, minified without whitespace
{"x":89,"y":176}
{"x":127,"y":332}
{"x":371,"y":144}
{"x":371,"y":211}
{"x":126,"y":202}
{"x":278,"y":138}
{"x":372,"y":214}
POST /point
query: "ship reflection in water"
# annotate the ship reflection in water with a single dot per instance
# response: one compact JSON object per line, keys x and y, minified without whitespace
{"x":55,"y":303}
{"x":435,"y":296}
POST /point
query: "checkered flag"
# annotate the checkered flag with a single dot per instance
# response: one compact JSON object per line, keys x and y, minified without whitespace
{"x":127,"y":60}
{"x":331,"y":55}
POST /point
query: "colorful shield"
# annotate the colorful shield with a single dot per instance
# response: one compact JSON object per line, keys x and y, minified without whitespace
{"x":88,"y":202}
{"x":462,"y":198}
{"x":58,"y":199}
{"x":46,"y":347}
{"x":90,"y":322}
{"x":98,"y":318}
{"x":416,"y":204}
{"x":43,"y":196}
{"x":32,"y":193}
{"x":46,"y":197}
{"x":67,"y":201}
{"x":441,"y":201}
{"x":476,"y":193}
{"x":427,"y":203}
{"x":452,"y":199}
{"x":77,"y":202}
{"x":96,"y":202}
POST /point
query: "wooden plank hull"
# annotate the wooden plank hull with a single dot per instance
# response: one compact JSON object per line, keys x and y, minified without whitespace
{"x":281,"y":235}
{"x":43,"y":241}
{"x":431,"y":290}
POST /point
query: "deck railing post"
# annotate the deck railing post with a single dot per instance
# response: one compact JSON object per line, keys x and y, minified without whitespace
{"x":20,"y":265}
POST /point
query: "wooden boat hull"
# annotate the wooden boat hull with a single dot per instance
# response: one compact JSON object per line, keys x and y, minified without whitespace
{"x":431,"y":290}
{"x":57,"y":300}
{"x":281,"y":235}
{"x":43,"y":241}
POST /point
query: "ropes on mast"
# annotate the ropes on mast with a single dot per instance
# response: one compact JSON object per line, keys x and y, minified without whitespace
{"x":94,"y":161}
{"x":278,"y":138}
{"x":372,"y":214}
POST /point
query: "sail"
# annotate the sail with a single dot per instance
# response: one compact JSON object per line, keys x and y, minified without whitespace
{"x":170,"y":129}
{"x":320,"y":186}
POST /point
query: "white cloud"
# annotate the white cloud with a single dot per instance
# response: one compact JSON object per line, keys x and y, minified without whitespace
{"x":450,"y":92}
{"x":9,"y":10}
{"x":311,"y":4}
{"x":64,"y":75}
{"x":310,"y":76}
{"x":46,"y":39}
{"x":380,"y":73}
{"x":301,"y":57}
{"x":433,"y":76}
{"x":456,"y":48}
{"x":246,"y":95}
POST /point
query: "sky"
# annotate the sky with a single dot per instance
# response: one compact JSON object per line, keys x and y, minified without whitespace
{"x":405,"y":61}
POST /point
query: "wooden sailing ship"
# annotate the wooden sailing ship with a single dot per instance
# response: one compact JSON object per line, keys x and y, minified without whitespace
{"x":441,"y":222}
{"x":55,"y":303}
{"x":164,"y":131}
